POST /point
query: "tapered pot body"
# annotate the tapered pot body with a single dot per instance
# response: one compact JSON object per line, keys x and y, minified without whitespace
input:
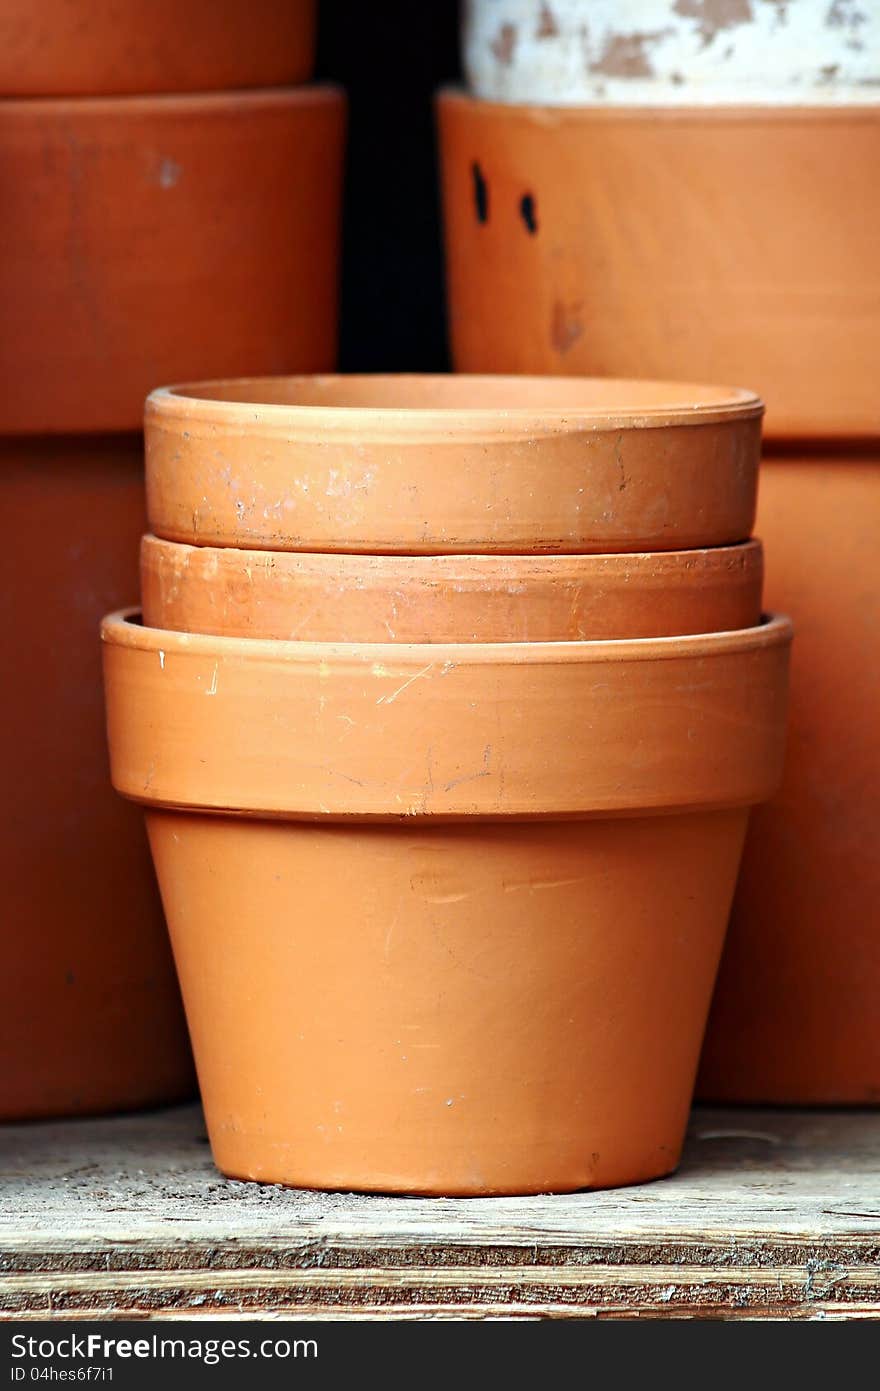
{"x":435,"y":940}
{"x":90,"y":1016}
{"x":445,"y":464}
{"x":150,"y":238}
{"x":796,"y":1016}
{"x":437,"y":598}
{"x":84,"y":48}
{"x":683,"y":242}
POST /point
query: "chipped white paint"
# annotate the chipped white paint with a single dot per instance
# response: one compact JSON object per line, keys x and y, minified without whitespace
{"x":672,"y":52}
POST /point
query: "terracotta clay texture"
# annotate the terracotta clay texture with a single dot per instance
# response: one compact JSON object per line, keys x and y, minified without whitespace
{"x":90,"y":1016}
{"x":483,"y":598}
{"x":663,"y":52}
{"x":425,"y":465}
{"x":678,"y":242}
{"x":58,"y":48}
{"x":150,"y":238}
{"x":519,"y":927}
{"x":796,"y":1017}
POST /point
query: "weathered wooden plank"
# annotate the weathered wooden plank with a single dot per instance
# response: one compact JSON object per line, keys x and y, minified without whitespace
{"x":773,"y":1214}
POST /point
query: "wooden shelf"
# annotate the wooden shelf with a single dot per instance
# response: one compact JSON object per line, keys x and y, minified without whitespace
{"x":771,"y":1214}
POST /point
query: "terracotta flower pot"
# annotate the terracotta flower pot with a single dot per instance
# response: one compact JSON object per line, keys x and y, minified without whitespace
{"x":437,"y":598}
{"x":90,"y":1016}
{"x":152,"y":238}
{"x":452,"y":464}
{"x":101,"y":48}
{"x":572,"y":52}
{"x":438,"y":941}
{"x":796,"y":1016}
{"x":726,"y":244}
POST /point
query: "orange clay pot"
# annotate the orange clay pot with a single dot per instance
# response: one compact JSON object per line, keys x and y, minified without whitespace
{"x":796,"y":1017}
{"x":101,"y":48}
{"x":726,"y":244}
{"x":437,"y":598}
{"x":90,"y":1016}
{"x":439,"y":941}
{"x":148,"y":238}
{"x":452,"y":464}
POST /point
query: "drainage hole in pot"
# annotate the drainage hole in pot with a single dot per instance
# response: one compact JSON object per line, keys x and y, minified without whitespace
{"x":528,"y":212}
{"x":481,"y":193}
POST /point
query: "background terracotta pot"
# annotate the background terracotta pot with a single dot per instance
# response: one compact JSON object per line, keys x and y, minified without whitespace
{"x":796,"y":1016}
{"x":572,"y":52}
{"x":452,"y":464}
{"x":428,"y":1001}
{"x":354,"y":598}
{"x":151,"y":238}
{"x":101,"y":48}
{"x":597,"y":230}
{"x":90,"y":1016}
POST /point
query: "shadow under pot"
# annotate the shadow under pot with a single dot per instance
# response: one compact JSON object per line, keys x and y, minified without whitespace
{"x":90,"y":1013}
{"x":451,"y":598}
{"x":427,"y":465}
{"x":431,"y":939}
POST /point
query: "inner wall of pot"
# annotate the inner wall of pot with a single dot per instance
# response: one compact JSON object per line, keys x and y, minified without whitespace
{"x":471,"y":392}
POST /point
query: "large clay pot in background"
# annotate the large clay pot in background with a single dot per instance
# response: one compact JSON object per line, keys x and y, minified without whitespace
{"x":439,"y":941}
{"x":796,"y":1017}
{"x":55,"y":48}
{"x":662,"y":52}
{"x":448,"y":598}
{"x":728,"y":244}
{"x":422,"y":465}
{"x":90,"y":1016}
{"x":148,"y":239}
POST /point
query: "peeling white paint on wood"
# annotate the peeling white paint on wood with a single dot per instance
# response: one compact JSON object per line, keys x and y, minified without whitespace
{"x":672,"y":52}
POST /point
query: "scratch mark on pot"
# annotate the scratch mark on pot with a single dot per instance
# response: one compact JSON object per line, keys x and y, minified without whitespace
{"x":504,"y":44}
{"x":212,"y":689}
{"x":389,"y":699}
{"x":472,"y":777}
{"x":161,"y":660}
{"x":449,"y":898}
{"x":565,"y":326}
{"x":511,"y":886}
{"x":169,"y":172}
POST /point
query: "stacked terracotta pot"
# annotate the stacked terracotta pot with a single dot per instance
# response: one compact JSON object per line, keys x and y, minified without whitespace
{"x":447,"y":707}
{"x":664,"y":189}
{"x":168,"y":209}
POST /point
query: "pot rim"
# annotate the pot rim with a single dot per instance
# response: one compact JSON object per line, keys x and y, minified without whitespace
{"x":342,"y":731}
{"x":123,"y":628}
{"x":186,"y":402}
{"x":176,"y":103}
{"x":475,"y":562}
{"x":732,"y":112}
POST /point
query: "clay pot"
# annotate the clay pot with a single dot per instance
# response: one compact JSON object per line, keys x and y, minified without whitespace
{"x":421,"y":465}
{"x":438,"y":941}
{"x":151,"y":238}
{"x":483,"y":598}
{"x":662,"y":52}
{"x":796,"y":1016}
{"x":90,"y":1016}
{"x":685,"y":242}
{"x":101,"y":48}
